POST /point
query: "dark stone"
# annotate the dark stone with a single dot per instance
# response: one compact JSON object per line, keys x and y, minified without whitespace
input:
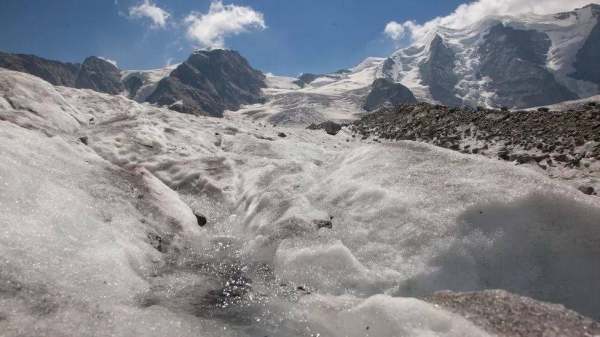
{"x":84,"y":140}
{"x":99,"y":75}
{"x":282,"y":135}
{"x":543,"y":109}
{"x":588,"y":190}
{"x":211,"y":81}
{"x":323,"y":223}
{"x":202,"y":221}
{"x":330,"y":127}
{"x":53,"y":72}
{"x":386,"y":93}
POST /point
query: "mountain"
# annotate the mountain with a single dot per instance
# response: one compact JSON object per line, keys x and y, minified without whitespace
{"x":54,"y":72}
{"x":499,"y":61}
{"x":517,"y":62}
{"x":99,"y":75}
{"x":385,"y":93}
{"x":213,"y":81}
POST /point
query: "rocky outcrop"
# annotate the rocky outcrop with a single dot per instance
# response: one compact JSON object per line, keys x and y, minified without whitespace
{"x":438,"y":73}
{"x":504,"y":314}
{"x":515,"y":60}
{"x":588,"y":57}
{"x":330,"y":127}
{"x":555,"y":141}
{"x":99,"y":75}
{"x":386,"y":93}
{"x":54,"y":72}
{"x":211,"y":81}
{"x":132,"y":85}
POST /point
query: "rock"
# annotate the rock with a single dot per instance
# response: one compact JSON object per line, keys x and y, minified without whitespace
{"x":202,"y":221}
{"x":54,"y":72}
{"x":504,"y":314}
{"x":323,"y":223}
{"x":330,"y":127}
{"x":84,"y":140}
{"x":386,"y":93}
{"x":212,"y":81}
{"x":99,"y":75}
{"x":282,"y":135}
{"x":543,"y":109}
{"x":588,"y":190}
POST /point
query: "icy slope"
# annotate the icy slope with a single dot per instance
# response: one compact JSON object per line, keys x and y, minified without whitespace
{"x":149,"y":80}
{"x":338,"y":96}
{"x":407,"y":220}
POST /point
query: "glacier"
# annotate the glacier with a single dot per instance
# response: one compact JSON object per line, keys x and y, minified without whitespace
{"x":102,"y":239}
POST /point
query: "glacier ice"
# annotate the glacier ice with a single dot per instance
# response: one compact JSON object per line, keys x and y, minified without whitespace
{"x":102,"y":240}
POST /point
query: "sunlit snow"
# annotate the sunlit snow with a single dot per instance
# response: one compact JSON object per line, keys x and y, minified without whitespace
{"x":102,"y":240}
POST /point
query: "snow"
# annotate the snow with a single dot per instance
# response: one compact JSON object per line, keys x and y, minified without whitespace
{"x":150,"y":79}
{"x":566,"y":35}
{"x":332,"y":97}
{"x":79,"y":225}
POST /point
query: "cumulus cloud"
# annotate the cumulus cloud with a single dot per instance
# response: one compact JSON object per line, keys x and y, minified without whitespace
{"x":113,"y":62}
{"x":148,"y":10}
{"x":472,"y":12}
{"x":211,"y":29}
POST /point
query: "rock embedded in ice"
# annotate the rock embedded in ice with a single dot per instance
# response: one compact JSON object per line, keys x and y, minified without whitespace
{"x":202,"y":221}
{"x":588,"y":190}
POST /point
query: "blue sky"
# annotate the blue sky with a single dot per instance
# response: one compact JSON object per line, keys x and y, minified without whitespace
{"x":284,"y":37}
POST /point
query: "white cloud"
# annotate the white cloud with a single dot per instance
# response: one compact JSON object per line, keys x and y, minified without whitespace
{"x":113,"y":62}
{"x":211,"y":29}
{"x":146,"y":9}
{"x":472,"y":12}
{"x":169,"y":62}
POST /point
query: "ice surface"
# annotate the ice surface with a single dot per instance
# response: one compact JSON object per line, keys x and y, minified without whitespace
{"x":101,"y":239}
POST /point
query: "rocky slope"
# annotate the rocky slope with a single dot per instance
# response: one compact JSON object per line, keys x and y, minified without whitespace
{"x":99,"y":75}
{"x":555,"y":141}
{"x":211,"y":81}
{"x":385,"y":94}
{"x":57,"y":73}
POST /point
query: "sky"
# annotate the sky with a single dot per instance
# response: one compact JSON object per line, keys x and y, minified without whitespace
{"x":283,"y":37}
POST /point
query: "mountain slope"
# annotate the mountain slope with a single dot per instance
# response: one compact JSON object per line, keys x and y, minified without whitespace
{"x":99,"y":75}
{"x":517,"y":62}
{"x":55,"y":72}
{"x":212,"y":81}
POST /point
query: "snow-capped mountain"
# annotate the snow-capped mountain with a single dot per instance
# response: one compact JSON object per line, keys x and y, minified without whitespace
{"x":517,"y":62}
{"x":500,"y":61}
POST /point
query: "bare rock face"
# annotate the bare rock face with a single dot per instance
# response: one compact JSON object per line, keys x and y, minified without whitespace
{"x":586,"y":62}
{"x":211,"y":81}
{"x":515,"y":61}
{"x":505,"y":314}
{"x":438,"y":73}
{"x":99,"y":75}
{"x":386,"y":93}
{"x":54,"y":72}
